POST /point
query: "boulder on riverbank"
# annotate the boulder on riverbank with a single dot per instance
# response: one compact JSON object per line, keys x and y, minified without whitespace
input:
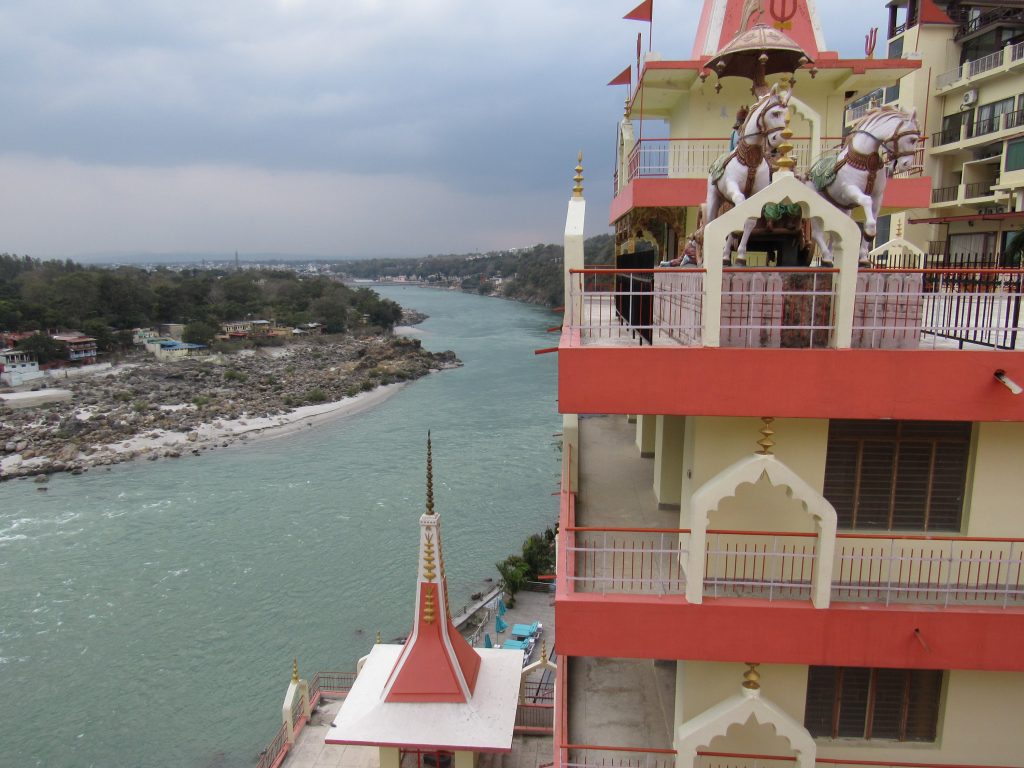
{"x":107,"y":414}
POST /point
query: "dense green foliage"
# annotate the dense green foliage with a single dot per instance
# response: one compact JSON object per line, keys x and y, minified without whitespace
{"x":537,"y":560}
{"x":532,"y":274}
{"x":40,"y":295}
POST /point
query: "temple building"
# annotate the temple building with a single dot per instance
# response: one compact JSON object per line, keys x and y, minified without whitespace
{"x":788,"y":528}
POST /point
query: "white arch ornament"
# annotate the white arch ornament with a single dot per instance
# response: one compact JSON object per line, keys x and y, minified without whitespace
{"x":737,"y":710}
{"x":710,"y":495}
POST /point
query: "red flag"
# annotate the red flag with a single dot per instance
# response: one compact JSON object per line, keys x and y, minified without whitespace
{"x":625,"y":77}
{"x":643,"y":12}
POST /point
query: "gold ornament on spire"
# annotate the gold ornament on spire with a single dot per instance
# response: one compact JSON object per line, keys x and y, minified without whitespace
{"x":430,"y":478}
{"x":378,"y":637}
{"x":751,"y":678}
{"x":766,"y":441}
{"x":785,"y":162}
{"x":429,"y":562}
{"x":544,"y":651}
{"x":428,"y":608}
{"x":577,"y":190}
{"x":295,"y":669}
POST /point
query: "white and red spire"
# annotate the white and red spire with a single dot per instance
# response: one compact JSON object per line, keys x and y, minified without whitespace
{"x":722,"y":20}
{"x":436,"y":664}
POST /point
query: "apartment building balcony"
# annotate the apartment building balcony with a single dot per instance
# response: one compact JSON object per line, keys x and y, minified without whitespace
{"x":674,"y":172}
{"x":971,"y":73}
{"x":971,"y":135}
{"x":972,"y":193}
{"x":624,"y":562}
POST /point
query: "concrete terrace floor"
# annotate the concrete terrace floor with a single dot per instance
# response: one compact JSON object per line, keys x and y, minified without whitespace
{"x":527,"y":751}
{"x":616,"y":484}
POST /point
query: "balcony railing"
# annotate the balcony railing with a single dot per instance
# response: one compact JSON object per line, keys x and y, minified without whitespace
{"x":944,"y":194}
{"x":985,"y":63}
{"x":948,"y":78}
{"x":990,"y":17}
{"x":692,"y":158}
{"x":792,"y":308}
{"x":578,"y":756}
{"x":979,"y":189}
{"x":869,"y":568}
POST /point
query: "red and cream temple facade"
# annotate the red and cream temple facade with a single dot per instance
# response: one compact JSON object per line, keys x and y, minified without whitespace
{"x":795,"y":493}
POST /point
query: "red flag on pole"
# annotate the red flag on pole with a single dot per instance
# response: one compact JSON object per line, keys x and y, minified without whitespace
{"x":643,"y":12}
{"x":625,"y":77}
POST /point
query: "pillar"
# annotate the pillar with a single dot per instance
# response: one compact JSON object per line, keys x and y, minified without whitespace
{"x":571,"y":450}
{"x":668,"y":460}
{"x":645,"y":427}
{"x":389,"y":757}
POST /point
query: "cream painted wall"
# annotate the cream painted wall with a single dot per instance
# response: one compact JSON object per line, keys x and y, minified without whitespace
{"x":994,"y":498}
{"x":713,"y":443}
{"x":979,"y":721}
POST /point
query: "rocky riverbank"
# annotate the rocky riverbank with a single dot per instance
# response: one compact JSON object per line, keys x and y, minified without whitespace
{"x":153,"y":410}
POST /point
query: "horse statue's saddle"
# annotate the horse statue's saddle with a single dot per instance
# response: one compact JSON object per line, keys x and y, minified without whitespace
{"x":717,"y":169}
{"x":824,"y":171}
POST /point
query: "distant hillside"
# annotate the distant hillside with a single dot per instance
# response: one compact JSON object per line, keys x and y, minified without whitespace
{"x":532,"y":275}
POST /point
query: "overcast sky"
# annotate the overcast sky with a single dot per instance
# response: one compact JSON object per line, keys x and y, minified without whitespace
{"x":318,"y":127}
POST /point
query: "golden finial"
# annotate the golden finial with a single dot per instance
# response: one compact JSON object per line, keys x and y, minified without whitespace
{"x":544,"y":651}
{"x":751,"y":678}
{"x":428,"y":558}
{"x":428,"y":607}
{"x":899,"y":227}
{"x":766,"y":441}
{"x":378,"y":637}
{"x":430,"y":478}
{"x":577,"y":190}
{"x":785,"y":162}
{"x":295,"y":669}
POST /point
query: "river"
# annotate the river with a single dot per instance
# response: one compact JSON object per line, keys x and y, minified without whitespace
{"x":149,"y":614}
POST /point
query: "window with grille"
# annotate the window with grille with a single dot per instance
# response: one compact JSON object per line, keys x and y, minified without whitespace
{"x":897,"y":475}
{"x":864,"y":703}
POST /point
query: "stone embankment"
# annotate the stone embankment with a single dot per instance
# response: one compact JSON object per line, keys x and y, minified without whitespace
{"x":155,"y":410}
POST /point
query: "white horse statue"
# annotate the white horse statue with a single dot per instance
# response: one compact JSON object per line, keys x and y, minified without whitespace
{"x":739,"y":174}
{"x":852,"y":180}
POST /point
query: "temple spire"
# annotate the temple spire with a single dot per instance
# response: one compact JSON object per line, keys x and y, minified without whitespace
{"x":436,"y":664}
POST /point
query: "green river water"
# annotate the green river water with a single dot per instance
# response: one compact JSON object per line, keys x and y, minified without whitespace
{"x":149,"y":614}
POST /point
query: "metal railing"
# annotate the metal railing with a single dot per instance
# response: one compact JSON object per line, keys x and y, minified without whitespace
{"x":330,"y":685}
{"x":793,"y":308}
{"x":636,"y":561}
{"x":579,"y":756}
{"x":985,"y":63}
{"x":928,"y":570}
{"x":984,"y":19}
{"x":779,"y":565}
{"x":692,"y":158}
{"x":979,"y":189}
{"x":944,"y":194}
{"x":946,"y":136}
{"x":275,"y":750}
{"x":535,"y":718}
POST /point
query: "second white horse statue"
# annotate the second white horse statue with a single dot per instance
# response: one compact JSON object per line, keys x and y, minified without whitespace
{"x":855,"y":178}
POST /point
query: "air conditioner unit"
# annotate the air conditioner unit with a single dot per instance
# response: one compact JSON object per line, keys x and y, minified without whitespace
{"x":970,"y":97}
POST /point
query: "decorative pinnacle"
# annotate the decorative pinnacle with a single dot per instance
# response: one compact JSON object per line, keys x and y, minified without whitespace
{"x":577,"y":190}
{"x":378,"y":640}
{"x":295,"y":669}
{"x":785,"y":162}
{"x":430,"y":478}
{"x":766,"y":441}
{"x":544,"y":651}
{"x":751,"y":678}
{"x":428,"y":558}
{"x":899,"y":227}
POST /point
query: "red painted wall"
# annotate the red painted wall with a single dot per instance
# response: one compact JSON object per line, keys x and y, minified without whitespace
{"x":847,"y":634}
{"x":810,"y":383}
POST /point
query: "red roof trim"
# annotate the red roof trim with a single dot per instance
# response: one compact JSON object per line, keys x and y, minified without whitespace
{"x":857,"y":65}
